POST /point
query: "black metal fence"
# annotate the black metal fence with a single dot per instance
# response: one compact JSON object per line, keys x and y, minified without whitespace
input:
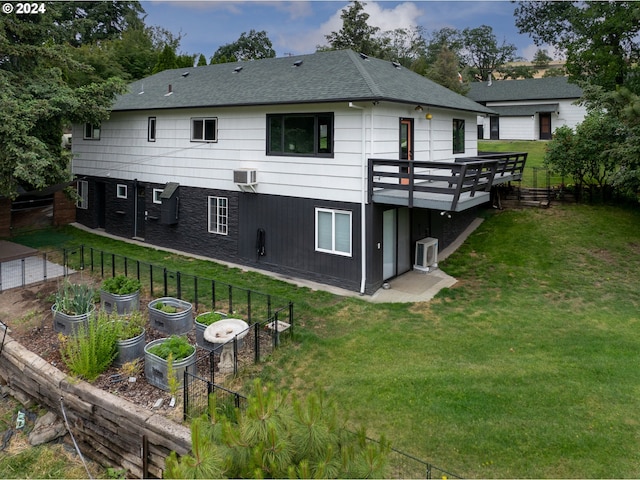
{"x":161,"y":282}
{"x":225,"y":362}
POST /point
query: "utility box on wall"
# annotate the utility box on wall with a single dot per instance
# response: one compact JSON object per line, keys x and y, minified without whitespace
{"x":169,"y":208}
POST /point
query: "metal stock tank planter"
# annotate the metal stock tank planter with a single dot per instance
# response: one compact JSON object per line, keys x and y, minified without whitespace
{"x":131,"y":339}
{"x":120,"y":294}
{"x":202,"y":322}
{"x":72,"y":308}
{"x":171,"y":315}
{"x":156,"y":361}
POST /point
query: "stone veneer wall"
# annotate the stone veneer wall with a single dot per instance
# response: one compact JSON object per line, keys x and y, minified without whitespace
{"x":108,"y":429}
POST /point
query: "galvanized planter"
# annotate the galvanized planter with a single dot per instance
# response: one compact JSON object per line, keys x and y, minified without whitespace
{"x":122,"y":304}
{"x":171,"y":323}
{"x":130,"y":349}
{"x":70,"y":325}
{"x":200,"y":328}
{"x":156,"y":368}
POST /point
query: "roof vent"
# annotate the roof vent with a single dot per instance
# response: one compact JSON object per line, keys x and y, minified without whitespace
{"x":297,"y":63}
{"x":364,"y":56}
{"x":237,"y":69}
{"x":396,"y":65}
{"x":169,"y":91}
{"x":185,"y":74}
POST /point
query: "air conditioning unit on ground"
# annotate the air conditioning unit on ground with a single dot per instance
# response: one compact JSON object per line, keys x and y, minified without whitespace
{"x":426,"y":254}
{"x":245,"y":176}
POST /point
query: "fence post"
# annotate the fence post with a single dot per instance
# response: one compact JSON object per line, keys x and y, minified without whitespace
{"x":24,"y":276}
{"x":151,"y":280}
{"x":195,"y":291}
{"x":101,"y":264}
{"x":213,"y":295}
{"x":82,"y":257}
{"x":113,"y":264}
{"x":179,"y":284}
{"x":256,"y":342}
{"x":125,"y":266}
{"x":230,"y":299}
{"x":291,"y":318}
{"x":185,"y":394}
{"x":249,"y":307}
{"x":138,"y":269}
{"x":44,"y":266}
{"x":91,"y":257}
{"x":164,"y":279}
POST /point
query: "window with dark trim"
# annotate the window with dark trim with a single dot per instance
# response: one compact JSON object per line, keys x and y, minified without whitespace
{"x":151,"y":129}
{"x":91,"y":131}
{"x":204,"y":129}
{"x":458,"y":135}
{"x":299,"y":134}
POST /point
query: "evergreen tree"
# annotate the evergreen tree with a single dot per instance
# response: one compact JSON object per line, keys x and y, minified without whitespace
{"x":279,"y":437}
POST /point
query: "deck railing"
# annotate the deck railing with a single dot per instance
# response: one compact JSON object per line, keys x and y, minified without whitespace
{"x":440,"y":178}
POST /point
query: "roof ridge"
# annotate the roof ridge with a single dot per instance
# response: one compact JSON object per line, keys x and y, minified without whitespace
{"x":357,"y":60}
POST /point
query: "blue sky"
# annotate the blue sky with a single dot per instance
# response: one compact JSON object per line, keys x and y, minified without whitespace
{"x":297,"y":27}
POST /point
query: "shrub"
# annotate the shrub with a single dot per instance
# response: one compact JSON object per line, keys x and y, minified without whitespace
{"x":176,"y":346}
{"x":166,"y":308}
{"x":121,"y":285}
{"x":92,"y":350}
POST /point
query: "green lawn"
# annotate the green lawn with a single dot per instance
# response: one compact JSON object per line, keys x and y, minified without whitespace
{"x":536,"y":150}
{"x":528,"y":367}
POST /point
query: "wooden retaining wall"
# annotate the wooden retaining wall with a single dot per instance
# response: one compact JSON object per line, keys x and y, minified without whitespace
{"x":108,"y":429}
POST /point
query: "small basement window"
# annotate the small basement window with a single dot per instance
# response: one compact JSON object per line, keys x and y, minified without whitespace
{"x":91,"y":131}
{"x":121,"y":191}
{"x":156,"y":195}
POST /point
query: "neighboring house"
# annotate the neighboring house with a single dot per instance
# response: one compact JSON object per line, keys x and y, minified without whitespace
{"x":528,"y":109}
{"x":281,"y":164}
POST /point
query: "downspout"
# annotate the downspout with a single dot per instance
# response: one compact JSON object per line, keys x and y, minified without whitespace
{"x":363,"y":199}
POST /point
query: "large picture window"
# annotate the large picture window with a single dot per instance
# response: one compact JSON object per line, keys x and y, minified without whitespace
{"x":218,"y":215}
{"x":333,"y":231}
{"x":300,"y":134}
{"x":458,"y":135}
{"x":204,"y":129}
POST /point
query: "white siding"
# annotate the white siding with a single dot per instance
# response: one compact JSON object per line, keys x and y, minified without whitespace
{"x":124,"y":152}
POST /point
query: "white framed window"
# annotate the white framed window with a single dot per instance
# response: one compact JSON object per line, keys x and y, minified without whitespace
{"x":156,"y":195}
{"x":91,"y":131}
{"x":218,"y":215}
{"x":333,"y":231}
{"x":83,"y":194}
{"x":121,"y":191}
{"x":151,"y":129}
{"x":204,"y":129}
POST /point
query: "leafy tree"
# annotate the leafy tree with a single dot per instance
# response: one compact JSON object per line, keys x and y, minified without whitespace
{"x":515,"y":72}
{"x":446,"y":71}
{"x":202,"y":61}
{"x":278,"y":438}
{"x":403,"y":45}
{"x":251,"y":46}
{"x":355,"y":33}
{"x":601,"y":39}
{"x":448,"y":38}
{"x":167,"y":60}
{"x":541,"y":59}
{"x":588,"y":155}
{"x":81,"y":23}
{"x":38,"y":99}
{"x":482,"y":53}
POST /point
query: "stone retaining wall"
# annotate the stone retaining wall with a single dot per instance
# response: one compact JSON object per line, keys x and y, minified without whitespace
{"x":110,"y":430}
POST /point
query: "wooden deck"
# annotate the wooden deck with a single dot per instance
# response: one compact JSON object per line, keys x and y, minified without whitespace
{"x":445,"y":186}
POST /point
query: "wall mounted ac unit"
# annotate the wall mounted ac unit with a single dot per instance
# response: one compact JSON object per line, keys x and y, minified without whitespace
{"x":426,"y":254}
{"x":245,"y":176}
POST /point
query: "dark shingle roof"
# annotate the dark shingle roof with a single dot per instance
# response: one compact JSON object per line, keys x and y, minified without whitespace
{"x":550,"y":88}
{"x":320,"y":77}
